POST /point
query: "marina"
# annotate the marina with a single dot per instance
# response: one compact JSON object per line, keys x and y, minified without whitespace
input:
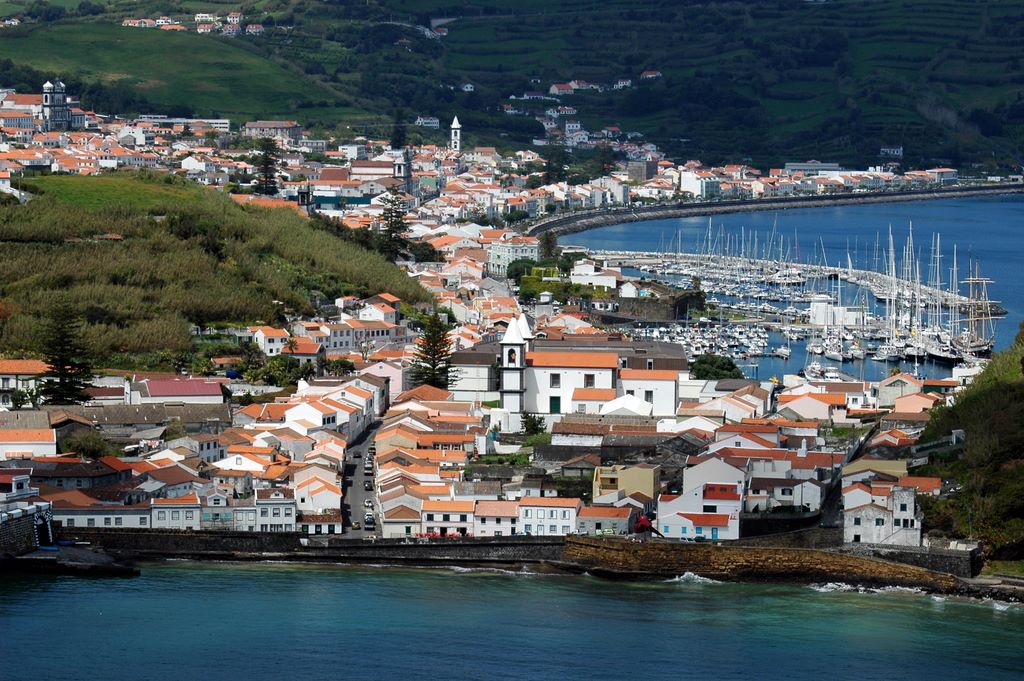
{"x":860,"y":307}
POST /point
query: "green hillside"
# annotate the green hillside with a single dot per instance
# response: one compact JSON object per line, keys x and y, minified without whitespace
{"x":990,"y":505}
{"x":208,"y":75}
{"x":189,"y":255}
{"x":769,"y":80}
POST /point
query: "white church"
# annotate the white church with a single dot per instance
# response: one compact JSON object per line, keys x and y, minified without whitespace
{"x":553,"y":382}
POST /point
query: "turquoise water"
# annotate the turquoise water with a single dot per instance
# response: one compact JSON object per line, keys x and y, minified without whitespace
{"x":286,"y":622}
{"x":990,"y":229}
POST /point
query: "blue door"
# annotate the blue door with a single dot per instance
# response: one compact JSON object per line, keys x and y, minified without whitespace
{"x":714,"y":533}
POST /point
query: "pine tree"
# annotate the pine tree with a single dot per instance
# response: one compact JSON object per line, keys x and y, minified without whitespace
{"x":548,"y":243}
{"x":267,"y":166}
{"x":390,"y":239}
{"x":70,"y":369}
{"x":433,"y":360}
{"x":398,"y":133}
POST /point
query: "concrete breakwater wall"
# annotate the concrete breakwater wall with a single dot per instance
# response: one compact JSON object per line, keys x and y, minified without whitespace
{"x":582,"y":221}
{"x":154,"y":544}
{"x":613,"y":557}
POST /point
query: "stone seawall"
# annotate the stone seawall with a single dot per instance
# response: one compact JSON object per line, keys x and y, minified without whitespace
{"x":659,"y":559}
{"x":18,"y":535}
{"x":155,"y":544}
{"x":582,"y":221}
{"x":810,"y":538}
{"x":959,"y":563}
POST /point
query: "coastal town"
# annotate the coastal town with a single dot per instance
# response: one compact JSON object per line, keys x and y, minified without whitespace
{"x":545,"y":421}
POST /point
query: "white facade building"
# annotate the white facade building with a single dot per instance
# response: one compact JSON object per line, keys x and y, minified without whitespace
{"x":548,"y":516}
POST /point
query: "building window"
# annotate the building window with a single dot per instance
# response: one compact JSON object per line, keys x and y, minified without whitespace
{"x":787,"y":492}
{"x":175,"y":515}
{"x":161,"y":515}
{"x":527,"y":513}
{"x":70,"y":522}
{"x":552,"y":529}
{"x":565,"y":515}
{"x":445,"y":517}
{"x":188,"y":515}
{"x":700,"y":530}
{"x":708,"y":508}
{"x":106,"y":521}
{"x":529,"y":528}
{"x":565,"y":529}
{"x":263,"y":513}
{"x":117,"y":521}
{"x":879,"y":522}
{"x":143,"y":521}
{"x":856,"y":521}
{"x":555,"y":380}
{"x":650,"y":364}
{"x":588,"y":380}
{"x":91,"y":522}
{"x":682,"y":530}
{"x":649,"y":396}
{"x":288,"y":512}
{"x":462,"y":518}
{"x":430,"y":516}
{"x":277,"y":512}
{"x":903,"y":508}
{"x":630,"y":392}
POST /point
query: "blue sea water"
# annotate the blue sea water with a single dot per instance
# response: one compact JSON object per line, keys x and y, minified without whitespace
{"x":254,"y":622}
{"x":990,"y":229}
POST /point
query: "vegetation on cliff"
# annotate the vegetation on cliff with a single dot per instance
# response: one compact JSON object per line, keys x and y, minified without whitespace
{"x":990,"y":470}
{"x":144,"y":257}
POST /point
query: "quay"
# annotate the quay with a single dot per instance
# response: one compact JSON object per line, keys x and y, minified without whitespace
{"x":583,"y":220}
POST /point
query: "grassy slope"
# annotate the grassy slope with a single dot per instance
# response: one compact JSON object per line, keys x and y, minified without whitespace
{"x":774,"y":80}
{"x":991,"y":411}
{"x":206,"y":261}
{"x":912,"y":70}
{"x":212,"y":76}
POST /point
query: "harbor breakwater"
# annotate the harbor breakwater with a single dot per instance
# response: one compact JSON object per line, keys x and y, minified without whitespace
{"x":583,"y":220}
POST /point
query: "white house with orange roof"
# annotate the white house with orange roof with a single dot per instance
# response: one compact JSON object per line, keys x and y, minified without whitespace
{"x":270,"y":341}
{"x":710,"y":511}
{"x":659,"y":387}
{"x":19,"y":374}
{"x":548,"y":516}
{"x":181,"y":513}
{"x":495,"y":518}
{"x":448,"y":518}
{"x":22,"y":443}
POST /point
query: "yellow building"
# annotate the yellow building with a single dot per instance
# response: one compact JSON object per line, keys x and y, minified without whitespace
{"x":643,"y":478}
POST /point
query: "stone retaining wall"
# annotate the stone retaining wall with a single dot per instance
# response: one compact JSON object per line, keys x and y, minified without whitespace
{"x":611,"y":557}
{"x":959,"y":563}
{"x":302,"y":548}
{"x":18,"y":534}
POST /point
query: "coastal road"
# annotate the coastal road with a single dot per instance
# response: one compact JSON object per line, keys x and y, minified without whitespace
{"x":354,"y":494}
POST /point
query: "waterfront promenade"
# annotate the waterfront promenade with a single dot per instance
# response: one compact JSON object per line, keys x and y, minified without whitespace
{"x":583,"y":220}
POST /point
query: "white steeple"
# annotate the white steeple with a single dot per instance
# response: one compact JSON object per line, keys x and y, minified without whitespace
{"x":455,"y":144}
{"x":524,"y":327}
{"x":513,"y":334}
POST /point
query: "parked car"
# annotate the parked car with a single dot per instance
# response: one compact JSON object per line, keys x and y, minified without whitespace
{"x":367,"y":485}
{"x":368,"y":503}
{"x":356,"y":525}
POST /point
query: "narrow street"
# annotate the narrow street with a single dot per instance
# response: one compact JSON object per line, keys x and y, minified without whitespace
{"x":354,"y":496}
